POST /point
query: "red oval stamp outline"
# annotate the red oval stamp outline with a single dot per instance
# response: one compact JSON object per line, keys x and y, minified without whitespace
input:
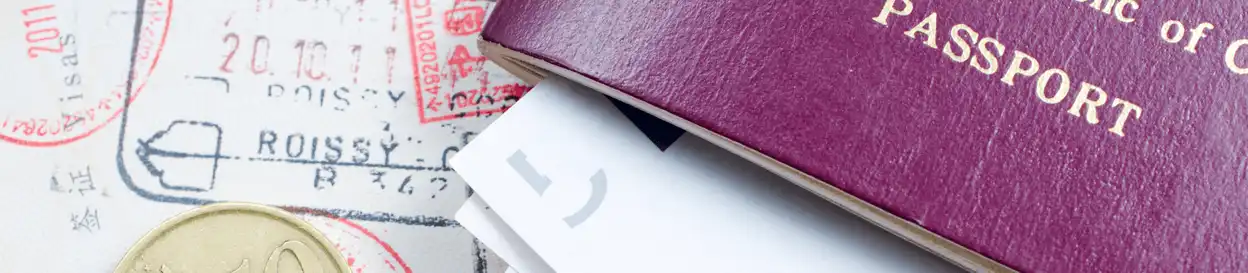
{"x":81,"y":123}
{"x":356,"y":257}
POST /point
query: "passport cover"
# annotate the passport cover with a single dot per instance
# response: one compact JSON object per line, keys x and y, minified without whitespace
{"x":1046,"y":136}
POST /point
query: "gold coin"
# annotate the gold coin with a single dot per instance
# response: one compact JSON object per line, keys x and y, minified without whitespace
{"x":233,"y":238}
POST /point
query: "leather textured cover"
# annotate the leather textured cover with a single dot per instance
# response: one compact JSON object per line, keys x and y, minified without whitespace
{"x":991,"y":144}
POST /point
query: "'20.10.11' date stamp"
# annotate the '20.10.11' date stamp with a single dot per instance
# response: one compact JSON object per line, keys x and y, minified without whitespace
{"x":312,"y":100}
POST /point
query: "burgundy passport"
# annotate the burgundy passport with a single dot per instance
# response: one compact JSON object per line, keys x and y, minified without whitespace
{"x":1048,"y":136}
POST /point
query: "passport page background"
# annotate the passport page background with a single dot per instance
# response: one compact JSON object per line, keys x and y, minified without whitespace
{"x":341,"y":111}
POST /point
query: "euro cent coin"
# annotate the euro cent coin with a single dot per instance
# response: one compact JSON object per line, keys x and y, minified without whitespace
{"x":233,"y":238}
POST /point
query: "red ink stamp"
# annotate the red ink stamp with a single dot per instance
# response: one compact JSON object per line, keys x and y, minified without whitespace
{"x":70,"y":87}
{"x":464,"y":21}
{"x":452,"y":78}
{"x":464,"y":63}
{"x":362,"y":249}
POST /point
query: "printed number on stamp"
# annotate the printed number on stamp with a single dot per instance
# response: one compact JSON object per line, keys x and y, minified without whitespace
{"x":314,"y":98}
{"x":68,"y":64}
{"x":451,"y":81}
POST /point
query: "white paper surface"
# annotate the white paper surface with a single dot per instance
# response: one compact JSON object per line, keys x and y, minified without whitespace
{"x":477,"y":218}
{"x":343,"y":111}
{"x":589,"y":193}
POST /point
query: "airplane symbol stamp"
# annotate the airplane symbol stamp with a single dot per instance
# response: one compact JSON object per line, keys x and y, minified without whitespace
{"x":315,"y":116}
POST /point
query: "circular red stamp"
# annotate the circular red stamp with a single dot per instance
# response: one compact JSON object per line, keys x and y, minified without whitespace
{"x":362,"y":249}
{"x":71,"y":62}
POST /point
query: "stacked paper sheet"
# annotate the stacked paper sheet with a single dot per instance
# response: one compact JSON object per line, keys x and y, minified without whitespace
{"x":565,"y":183}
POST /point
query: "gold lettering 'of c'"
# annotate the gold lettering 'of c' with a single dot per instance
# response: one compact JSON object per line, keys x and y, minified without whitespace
{"x":1232,"y":53}
{"x":1121,"y":10}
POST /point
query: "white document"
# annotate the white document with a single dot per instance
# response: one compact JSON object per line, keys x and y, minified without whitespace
{"x":477,"y":218}
{"x":589,"y":193}
{"x":118,"y":114}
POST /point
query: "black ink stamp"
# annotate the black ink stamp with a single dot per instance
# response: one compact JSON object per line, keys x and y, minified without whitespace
{"x":88,"y":220}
